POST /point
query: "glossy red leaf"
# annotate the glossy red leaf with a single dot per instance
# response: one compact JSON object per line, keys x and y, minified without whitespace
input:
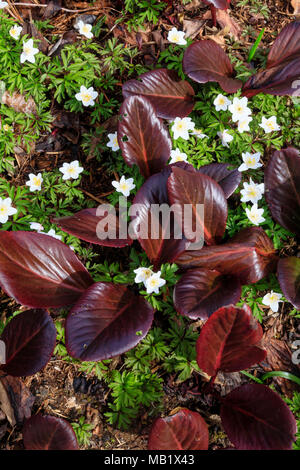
{"x":142,"y":136}
{"x":230,"y":341}
{"x":85,"y":225}
{"x":107,"y":320}
{"x":221,"y":4}
{"x":249,"y":256}
{"x":39,"y":271}
{"x":185,"y":430}
{"x":200,"y":292}
{"x":48,"y":433}
{"x":205,"y":61}
{"x":192,"y":189}
{"x":281,"y":76}
{"x":29,"y":339}
{"x":170,"y":96}
{"x":229,"y":180}
{"x":164,"y":248}
{"x":288,"y":273}
{"x":256,"y":418}
{"x":282,"y":188}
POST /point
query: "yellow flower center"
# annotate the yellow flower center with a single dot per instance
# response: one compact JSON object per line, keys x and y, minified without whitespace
{"x":85,"y":28}
{"x":36,"y":181}
{"x":27,"y":50}
{"x":86,"y":97}
{"x":124,"y":186}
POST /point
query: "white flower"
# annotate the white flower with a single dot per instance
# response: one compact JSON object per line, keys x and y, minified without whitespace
{"x":28,"y":52}
{"x":255,"y":215}
{"x":269,"y":125}
{"x":87,"y":96}
{"x":85,"y":29}
{"x":198,"y":133}
{"x":243,"y":124}
{"x":239,"y":109}
{"x":36,"y":226}
{"x":154,"y":282}
{"x":142,"y":274}
{"x":3,"y":5}
{"x":251,"y":162}
{"x":71,"y":170}
{"x":221,"y":103}
{"x":35,"y":182}
{"x":15,"y":31}
{"x":181,"y":127}
{"x":272,"y":300}
{"x":177,"y":37}
{"x":113,"y":141}
{"x":52,"y":233}
{"x":6,"y":210}
{"x":252,"y":192}
{"x":124,"y":186}
{"x":225,"y":137}
{"x":177,"y":156}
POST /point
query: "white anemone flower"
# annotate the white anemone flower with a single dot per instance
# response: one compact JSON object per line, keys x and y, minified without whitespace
{"x":239,"y":109}
{"x":154,"y":283}
{"x":85,"y":29}
{"x":255,"y":215}
{"x":113,"y":141}
{"x":250,"y":161}
{"x":272,"y":300}
{"x":34,"y":182}
{"x":243,"y":124}
{"x":6,"y":210}
{"x":71,"y":170}
{"x":142,"y":274}
{"x":269,"y":125}
{"x":177,"y":37}
{"x":124,"y":186}
{"x":29,"y":52}
{"x":15,"y":31}
{"x":87,"y":96}
{"x":221,"y":103}
{"x":252,"y":192}
{"x":225,"y":137}
{"x":182,"y":126}
{"x":177,"y":156}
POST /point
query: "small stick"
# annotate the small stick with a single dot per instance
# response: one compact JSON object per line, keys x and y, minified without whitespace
{"x":214,"y":14}
{"x":31,"y":5}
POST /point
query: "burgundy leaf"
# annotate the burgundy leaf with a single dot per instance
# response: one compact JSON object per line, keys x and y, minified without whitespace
{"x":281,"y":76}
{"x":163,"y":248}
{"x":186,"y":189}
{"x":89,"y":225}
{"x":282,"y":185}
{"x":288,"y":273}
{"x":48,"y":433}
{"x":205,"y":61}
{"x":229,"y":180}
{"x":200,"y":292}
{"x":256,"y":418}
{"x":229,"y":341}
{"x":142,"y":136}
{"x":249,"y":256}
{"x":185,"y":430}
{"x":30,"y":340}
{"x":221,"y":4}
{"x":170,"y":96}
{"x":107,"y":320}
{"x":39,"y":271}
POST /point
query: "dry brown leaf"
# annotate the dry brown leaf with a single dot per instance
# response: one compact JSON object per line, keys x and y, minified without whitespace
{"x":15,"y":399}
{"x":296,"y":6}
{"x":228,"y":24}
{"x":192,"y":27}
{"x":18,"y":103}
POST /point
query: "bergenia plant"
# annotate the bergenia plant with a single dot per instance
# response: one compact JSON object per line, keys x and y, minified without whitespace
{"x":230,"y":341}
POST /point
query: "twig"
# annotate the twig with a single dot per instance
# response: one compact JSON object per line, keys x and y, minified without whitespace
{"x":38,"y":5}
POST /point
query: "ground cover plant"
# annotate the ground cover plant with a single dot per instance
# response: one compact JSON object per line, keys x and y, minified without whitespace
{"x":123,"y":324}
